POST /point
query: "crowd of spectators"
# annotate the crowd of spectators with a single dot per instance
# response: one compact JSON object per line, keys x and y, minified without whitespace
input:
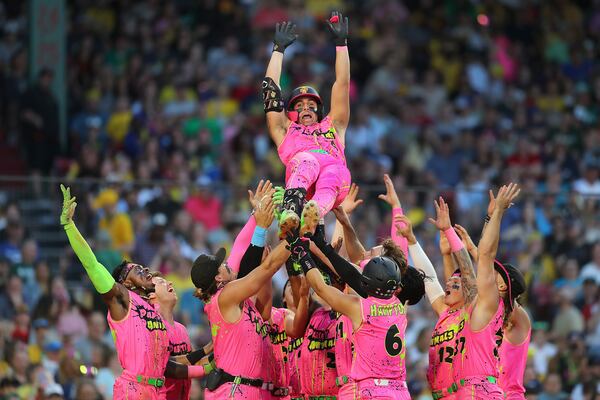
{"x":165,"y":116}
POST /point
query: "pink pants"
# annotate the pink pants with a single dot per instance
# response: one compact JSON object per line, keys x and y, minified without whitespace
{"x":326,"y":175}
{"x":244,"y":392}
{"x":484,"y":390}
{"x":125,"y":389}
{"x":383,"y":389}
{"x":348,"y":391}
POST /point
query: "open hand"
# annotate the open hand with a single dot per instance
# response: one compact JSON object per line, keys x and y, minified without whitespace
{"x":351,"y":201}
{"x":264,"y":190}
{"x":404,"y":227}
{"x":506,"y":196}
{"x":265,"y":213}
{"x":338,"y":26}
{"x":443,"y":215}
{"x":390,"y":197}
{"x":69,"y":204}
{"x":285,"y":34}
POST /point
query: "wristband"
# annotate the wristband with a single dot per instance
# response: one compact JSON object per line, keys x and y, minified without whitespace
{"x":195,"y":356}
{"x":487,"y":218}
{"x":307,"y":263}
{"x":340,"y":48}
{"x":259,"y":236}
{"x":455,"y":243}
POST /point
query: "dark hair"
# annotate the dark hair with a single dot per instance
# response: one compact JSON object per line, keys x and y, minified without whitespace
{"x":392,"y":250}
{"x":116,"y":274}
{"x":205,"y":295}
{"x":413,"y":286}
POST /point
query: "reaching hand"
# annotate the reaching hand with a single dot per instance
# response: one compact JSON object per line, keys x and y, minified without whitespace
{"x":466,"y":239}
{"x":264,"y":191}
{"x":341,"y":216}
{"x":284,"y":36}
{"x":338,"y":26}
{"x":491,"y":204}
{"x":265,"y":213}
{"x":404,"y":227}
{"x":506,"y":195}
{"x":278,"y":195}
{"x":390,"y":197}
{"x":350,"y":202}
{"x":68,"y":208}
{"x":443,"y":215}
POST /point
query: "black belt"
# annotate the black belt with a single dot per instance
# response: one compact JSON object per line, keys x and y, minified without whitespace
{"x":240,"y":380}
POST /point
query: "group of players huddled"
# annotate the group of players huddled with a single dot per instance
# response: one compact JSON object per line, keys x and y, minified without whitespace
{"x":341,"y":333}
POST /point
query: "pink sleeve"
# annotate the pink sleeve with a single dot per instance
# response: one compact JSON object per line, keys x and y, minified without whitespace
{"x":399,"y":239}
{"x":240,"y":244}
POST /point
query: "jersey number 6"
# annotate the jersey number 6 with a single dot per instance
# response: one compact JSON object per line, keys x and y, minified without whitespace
{"x":393,"y":342}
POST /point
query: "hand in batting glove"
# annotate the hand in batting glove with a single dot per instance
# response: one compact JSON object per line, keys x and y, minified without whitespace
{"x":284,"y":36}
{"x":68,"y":209}
{"x":301,"y":255}
{"x":338,"y":26}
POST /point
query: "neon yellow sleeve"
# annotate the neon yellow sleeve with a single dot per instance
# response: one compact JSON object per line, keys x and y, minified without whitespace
{"x":99,"y":275}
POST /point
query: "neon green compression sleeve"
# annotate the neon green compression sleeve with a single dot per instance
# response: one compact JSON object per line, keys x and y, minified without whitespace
{"x":99,"y":275}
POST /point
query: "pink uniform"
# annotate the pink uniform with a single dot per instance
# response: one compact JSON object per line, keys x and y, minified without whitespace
{"x":143,"y":348}
{"x":314,"y":159}
{"x":293,"y":367}
{"x":513,"y":360}
{"x":179,"y":342}
{"x":343,"y":358}
{"x":317,"y":357}
{"x":379,"y":367}
{"x":475,"y":367}
{"x":279,"y":341}
{"x":238,"y":349}
{"x":442,"y":350}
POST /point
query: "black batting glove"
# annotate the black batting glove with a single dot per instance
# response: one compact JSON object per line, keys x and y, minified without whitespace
{"x":338,"y":26}
{"x":284,"y":36}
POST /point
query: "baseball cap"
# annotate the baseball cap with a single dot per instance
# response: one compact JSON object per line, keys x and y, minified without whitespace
{"x":205,"y":268}
{"x":106,"y":197}
{"x":54,"y":389}
{"x":513,"y":278}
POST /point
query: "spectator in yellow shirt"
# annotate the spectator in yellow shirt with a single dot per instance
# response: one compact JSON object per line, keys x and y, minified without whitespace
{"x":117,"y":225}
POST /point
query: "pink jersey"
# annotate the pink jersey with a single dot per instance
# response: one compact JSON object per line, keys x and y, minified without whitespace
{"x":379,"y":350}
{"x":443,"y":347}
{"x":238,"y":347}
{"x":317,"y":357}
{"x":279,"y":345}
{"x":321,"y":137}
{"x":513,"y":360}
{"x":141,"y":339}
{"x":343,"y":358}
{"x":478,"y":351}
{"x":179,"y":341}
{"x":293,"y":366}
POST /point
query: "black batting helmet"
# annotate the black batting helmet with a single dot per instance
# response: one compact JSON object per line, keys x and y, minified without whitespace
{"x":304,"y":91}
{"x":381,"y":277}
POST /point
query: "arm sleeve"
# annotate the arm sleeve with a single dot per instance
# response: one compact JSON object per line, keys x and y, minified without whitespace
{"x":99,"y":275}
{"x":240,"y":244}
{"x":399,"y":239}
{"x":433,"y":289}
{"x":346,"y":270}
{"x":250,"y":260}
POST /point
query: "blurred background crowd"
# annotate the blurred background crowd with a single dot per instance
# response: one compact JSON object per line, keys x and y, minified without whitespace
{"x":166,"y":133}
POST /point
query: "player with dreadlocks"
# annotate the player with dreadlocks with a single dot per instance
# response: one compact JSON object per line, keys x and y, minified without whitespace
{"x":138,"y":329}
{"x":310,"y":143}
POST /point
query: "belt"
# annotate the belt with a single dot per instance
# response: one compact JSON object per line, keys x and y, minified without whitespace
{"x":342,"y":380}
{"x":477,"y":379}
{"x":438,"y":394}
{"x":320,"y":151}
{"x":240,"y":380}
{"x":157,"y":382}
{"x":322,"y":397}
{"x":297,"y":398}
{"x":276,"y":391}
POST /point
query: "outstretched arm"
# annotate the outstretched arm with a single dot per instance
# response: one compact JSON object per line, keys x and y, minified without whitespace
{"x":277,"y":121}
{"x":487,"y":301}
{"x":113,"y":294}
{"x":354,"y":248}
{"x":391,"y":197}
{"x":295,"y":323}
{"x":348,"y":205}
{"x":340,"y":92}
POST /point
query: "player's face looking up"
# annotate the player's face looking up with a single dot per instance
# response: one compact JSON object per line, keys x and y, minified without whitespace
{"x":453,"y":291}
{"x":307,"y":111}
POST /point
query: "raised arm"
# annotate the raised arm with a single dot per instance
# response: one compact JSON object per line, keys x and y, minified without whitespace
{"x":113,"y":294}
{"x":295,"y":323}
{"x":458,"y":251}
{"x":433,"y":289}
{"x":277,"y":121}
{"x":487,"y":301}
{"x":354,"y":248}
{"x":391,"y":197}
{"x":340,"y":92}
{"x":348,"y":205}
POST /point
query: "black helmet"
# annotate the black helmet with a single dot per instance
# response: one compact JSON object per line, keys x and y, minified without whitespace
{"x":381,"y":277}
{"x":413,"y":286}
{"x":304,"y":91}
{"x":514,"y":280}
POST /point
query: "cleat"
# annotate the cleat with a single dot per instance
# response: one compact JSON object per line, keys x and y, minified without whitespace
{"x":310,"y":218}
{"x":288,"y":222}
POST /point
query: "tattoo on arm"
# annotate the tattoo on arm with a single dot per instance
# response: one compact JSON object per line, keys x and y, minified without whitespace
{"x":467,"y":273}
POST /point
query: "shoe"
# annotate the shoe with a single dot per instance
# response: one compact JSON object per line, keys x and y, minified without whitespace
{"x":288,"y":222}
{"x":310,"y":218}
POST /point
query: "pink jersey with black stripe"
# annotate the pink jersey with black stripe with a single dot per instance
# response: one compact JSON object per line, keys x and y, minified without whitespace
{"x":513,"y":360}
{"x":317,"y":355}
{"x":141,"y":339}
{"x":238,"y":347}
{"x":443,"y":347}
{"x":179,"y":341}
{"x":279,"y":343}
{"x":293,"y":366}
{"x":478,"y":354}
{"x":320,"y":136}
{"x":379,"y":350}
